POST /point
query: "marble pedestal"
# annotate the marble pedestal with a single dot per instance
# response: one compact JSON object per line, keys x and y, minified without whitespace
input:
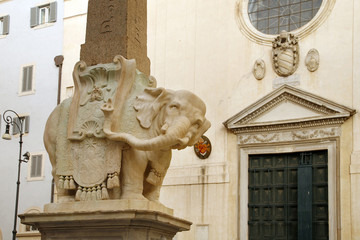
{"x":112,"y":219}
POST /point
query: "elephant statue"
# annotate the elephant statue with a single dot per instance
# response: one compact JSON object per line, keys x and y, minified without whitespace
{"x":113,"y":139}
{"x":174,"y":119}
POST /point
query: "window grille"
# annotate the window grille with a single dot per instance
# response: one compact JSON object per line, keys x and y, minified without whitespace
{"x":273,"y":16}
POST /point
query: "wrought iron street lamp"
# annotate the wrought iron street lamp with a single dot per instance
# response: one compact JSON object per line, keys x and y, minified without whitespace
{"x":19,"y":125}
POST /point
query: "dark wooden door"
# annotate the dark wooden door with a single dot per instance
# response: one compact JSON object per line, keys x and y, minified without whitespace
{"x":288,"y":196}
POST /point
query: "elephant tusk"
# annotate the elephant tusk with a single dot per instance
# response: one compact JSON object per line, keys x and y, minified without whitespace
{"x":184,"y":141}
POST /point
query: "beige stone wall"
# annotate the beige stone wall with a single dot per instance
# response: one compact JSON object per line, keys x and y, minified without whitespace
{"x":197,"y":45}
{"x":355,"y":158}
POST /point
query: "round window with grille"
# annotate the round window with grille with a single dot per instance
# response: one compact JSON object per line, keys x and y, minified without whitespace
{"x":273,"y":16}
{"x":260,"y":20}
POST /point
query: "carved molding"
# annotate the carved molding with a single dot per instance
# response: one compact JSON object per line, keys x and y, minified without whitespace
{"x":293,"y":125}
{"x":286,"y":97}
{"x":289,"y":136}
{"x":245,"y":26}
{"x":325,"y":113}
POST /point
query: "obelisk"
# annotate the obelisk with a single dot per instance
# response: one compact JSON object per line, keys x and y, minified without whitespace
{"x":116,"y":27}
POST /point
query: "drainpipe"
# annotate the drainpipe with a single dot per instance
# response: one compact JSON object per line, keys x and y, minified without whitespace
{"x":59,"y":63}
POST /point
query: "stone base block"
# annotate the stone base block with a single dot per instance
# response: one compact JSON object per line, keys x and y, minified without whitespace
{"x":144,"y":222}
{"x":106,"y":205}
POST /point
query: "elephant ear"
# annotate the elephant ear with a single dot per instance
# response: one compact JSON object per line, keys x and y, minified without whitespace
{"x":149,"y":103}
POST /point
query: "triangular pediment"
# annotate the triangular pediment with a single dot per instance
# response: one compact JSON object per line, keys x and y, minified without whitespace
{"x":288,"y":106}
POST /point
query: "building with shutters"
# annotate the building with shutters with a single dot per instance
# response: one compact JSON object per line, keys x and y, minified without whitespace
{"x":31,"y":34}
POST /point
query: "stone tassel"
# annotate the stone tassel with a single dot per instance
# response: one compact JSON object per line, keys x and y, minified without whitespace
{"x":88,"y":194}
{"x":93,"y":193}
{"x":78,"y":194}
{"x":116,"y":181}
{"x":67,"y":183}
{"x":113,"y":180}
{"x":61,"y":182}
{"x":72,"y":183}
{"x":110,"y":181}
{"x":83,"y":195}
{"x":104,"y":192}
{"x":98,"y":193}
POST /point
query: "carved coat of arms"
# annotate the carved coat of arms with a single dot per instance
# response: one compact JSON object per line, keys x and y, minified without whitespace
{"x":285,"y":54}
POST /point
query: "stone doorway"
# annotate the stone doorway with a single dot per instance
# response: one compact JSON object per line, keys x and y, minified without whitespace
{"x":289,"y":120}
{"x":288,"y":196}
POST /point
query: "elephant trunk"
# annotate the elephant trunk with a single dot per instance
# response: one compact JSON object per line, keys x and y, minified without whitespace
{"x":172,"y":137}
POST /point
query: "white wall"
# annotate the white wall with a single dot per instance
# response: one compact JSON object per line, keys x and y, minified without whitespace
{"x":25,"y":45}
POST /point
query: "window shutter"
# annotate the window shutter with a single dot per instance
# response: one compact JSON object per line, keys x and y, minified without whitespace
{"x":27,"y":124}
{"x":24,"y":79}
{"x":33,"y":163}
{"x":6,"y":24}
{"x":29,"y":78}
{"x":34,"y":17}
{"x":39,"y":166}
{"x":36,"y":165}
{"x":53,"y":12}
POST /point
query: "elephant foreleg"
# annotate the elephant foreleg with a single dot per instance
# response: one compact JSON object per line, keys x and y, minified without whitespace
{"x":134,"y":164}
{"x":159,"y":162}
{"x":152,"y":192}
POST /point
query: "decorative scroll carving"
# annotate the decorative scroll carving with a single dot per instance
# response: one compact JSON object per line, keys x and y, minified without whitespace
{"x":318,"y":133}
{"x":288,"y":136}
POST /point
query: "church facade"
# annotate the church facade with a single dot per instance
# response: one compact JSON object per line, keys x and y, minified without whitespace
{"x":285,"y":139}
{"x":285,"y":144}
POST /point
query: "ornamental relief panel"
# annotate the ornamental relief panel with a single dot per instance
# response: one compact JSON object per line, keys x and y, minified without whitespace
{"x":289,"y":136}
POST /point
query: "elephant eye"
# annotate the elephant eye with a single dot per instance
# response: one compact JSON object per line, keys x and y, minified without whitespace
{"x":174,"y":105}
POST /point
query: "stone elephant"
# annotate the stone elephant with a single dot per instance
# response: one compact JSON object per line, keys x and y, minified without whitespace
{"x":174,"y":120}
{"x":113,"y":139}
